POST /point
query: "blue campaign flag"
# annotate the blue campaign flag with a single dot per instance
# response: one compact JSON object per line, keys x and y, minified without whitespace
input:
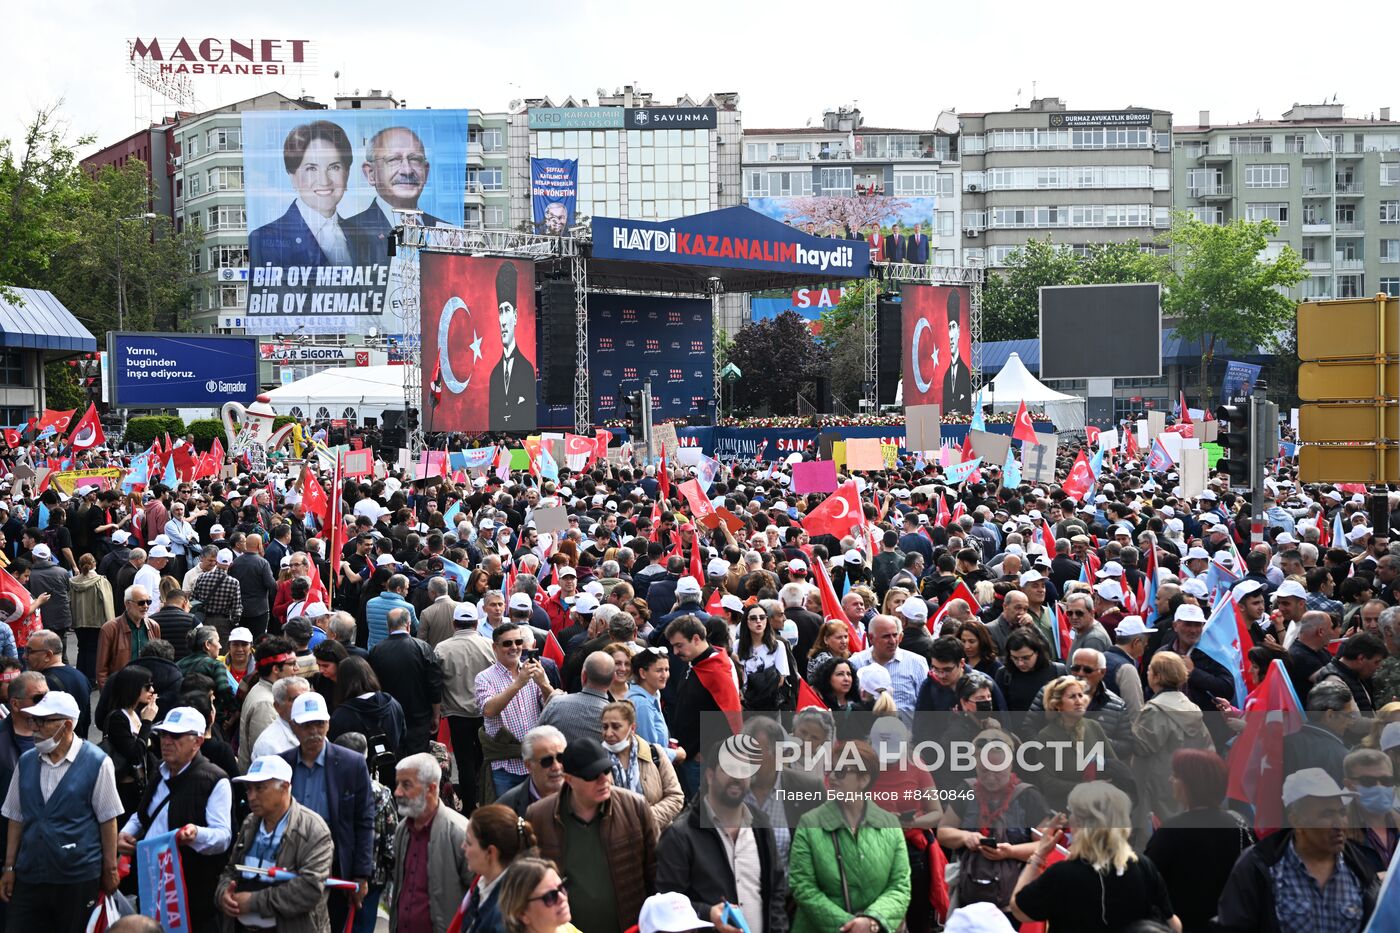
{"x":979,"y":419}
{"x":1388,"y":900}
{"x":1239,"y":379}
{"x":171,"y":478}
{"x":449,"y":517}
{"x":43,"y":516}
{"x":959,"y":472}
{"x":161,"y":882}
{"x":553,"y":194}
{"x":1096,"y":463}
{"x":1011,"y":471}
{"x":1220,"y":640}
{"x":478,"y":459}
{"x":456,"y":573}
{"x":549,"y":468}
{"x":138,"y":475}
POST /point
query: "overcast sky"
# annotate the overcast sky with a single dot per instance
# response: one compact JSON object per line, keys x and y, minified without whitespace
{"x":902,"y":62}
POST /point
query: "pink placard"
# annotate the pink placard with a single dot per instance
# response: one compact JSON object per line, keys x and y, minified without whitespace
{"x":814,"y":476}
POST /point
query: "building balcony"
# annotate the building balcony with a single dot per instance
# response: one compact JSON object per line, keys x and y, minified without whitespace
{"x":1349,"y":189}
{"x":1315,"y":265}
{"x":1316,"y":229}
{"x":1317,"y":191}
{"x":1349,"y":265}
{"x":1210,"y":192}
{"x":1350,"y":227}
{"x":1209,"y":157}
{"x":475,"y":155}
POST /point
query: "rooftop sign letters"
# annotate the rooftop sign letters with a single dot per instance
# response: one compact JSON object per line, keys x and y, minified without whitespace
{"x":209,"y":56}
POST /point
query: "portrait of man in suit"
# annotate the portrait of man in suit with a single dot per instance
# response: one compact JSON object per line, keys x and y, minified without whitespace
{"x":513,"y":379}
{"x":396,"y":167}
{"x":318,"y":158}
{"x":894,"y":245}
{"x":957,"y":380}
{"x":918,"y":246}
{"x":555,"y":220}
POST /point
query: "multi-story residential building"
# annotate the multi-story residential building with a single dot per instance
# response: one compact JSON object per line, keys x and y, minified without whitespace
{"x":1078,"y":177}
{"x":152,"y":146}
{"x":1331,"y":183}
{"x":488,"y":194}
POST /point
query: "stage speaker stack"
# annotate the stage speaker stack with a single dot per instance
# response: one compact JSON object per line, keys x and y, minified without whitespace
{"x":558,"y":346}
{"x":889,"y":330}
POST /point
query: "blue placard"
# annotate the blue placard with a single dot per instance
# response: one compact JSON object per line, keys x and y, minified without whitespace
{"x":731,"y":238}
{"x":182,"y":370}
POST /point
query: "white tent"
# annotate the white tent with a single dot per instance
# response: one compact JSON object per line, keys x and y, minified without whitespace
{"x":1015,"y":384}
{"x":364,"y":390}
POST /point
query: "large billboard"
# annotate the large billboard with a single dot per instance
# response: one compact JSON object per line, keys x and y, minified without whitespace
{"x":1101,"y":331}
{"x":181,"y":370}
{"x":479,"y":359}
{"x":895,"y":229}
{"x":322,"y":192}
{"x":937,"y":347}
{"x":553,"y":194}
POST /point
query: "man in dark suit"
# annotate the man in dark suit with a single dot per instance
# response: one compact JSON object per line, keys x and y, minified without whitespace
{"x":917,"y":251}
{"x":513,"y":379}
{"x":334,"y":782}
{"x":397,"y":168}
{"x":317,"y":157}
{"x":957,"y":380}
{"x":894,"y":245}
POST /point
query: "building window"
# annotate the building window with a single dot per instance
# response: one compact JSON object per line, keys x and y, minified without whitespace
{"x":227,"y":217}
{"x":1207,"y":215}
{"x":1390,"y":212}
{"x":1390,"y":174}
{"x":974,"y":254}
{"x":495,"y":216}
{"x":1251,"y":145}
{"x":914,"y":184}
{"x":944,"y":221}
{"x":11,"y":367}
{"x":1390,"y":251}
{"x":1350,"y":286}
{"x":191,"y":146}
{"x":1293,"y":143}
{"x":974,"y":145}
{"x":492,"y":140}
{"x":472,"y":217}
{"x":755,"y":152}
{"x":228,"y":257}
{"x":1266,"y":176}
{"x":943,"y":257}
{"x":1193,"y":148}
{"x":233,"y":296}
{"x":836,"y":181}
{"x":226,"y":178}
{"x":1390,"y":285}
{"x":485,"y":179}
{"x":225,"y":139}
{"x":1277,"y":211}
{"x":196,"y":185}
{"x":945,"y":184}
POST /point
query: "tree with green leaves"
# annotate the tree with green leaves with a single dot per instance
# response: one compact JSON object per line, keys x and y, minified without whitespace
{"x":843,"y":337}
{"x":1011,"y":295}
{"x":776,"y":357}
{"x":1222,"y":289}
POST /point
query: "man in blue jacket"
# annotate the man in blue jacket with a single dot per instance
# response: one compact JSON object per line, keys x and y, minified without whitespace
{"x":334,"y":783}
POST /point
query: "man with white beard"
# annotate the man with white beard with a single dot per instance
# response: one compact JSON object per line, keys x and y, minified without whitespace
{"x":430,"y":866}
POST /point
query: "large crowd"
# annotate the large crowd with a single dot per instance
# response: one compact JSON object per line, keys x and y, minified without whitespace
{"x":488,"y":701}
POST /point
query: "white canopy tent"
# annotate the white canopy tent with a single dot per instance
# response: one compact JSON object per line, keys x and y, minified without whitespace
{"x":1015,"y":384}
{"x":352,"y":392}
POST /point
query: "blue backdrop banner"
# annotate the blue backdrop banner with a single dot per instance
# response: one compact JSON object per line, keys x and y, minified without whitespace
{"x":182,"y":370}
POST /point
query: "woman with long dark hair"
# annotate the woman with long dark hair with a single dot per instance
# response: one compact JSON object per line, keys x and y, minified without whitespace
{"x":1027,"y":670}
{"x":361,"y":706}
{"x":127,"y":737}
{"x":496,"y":836}
{"x":762,"y":659}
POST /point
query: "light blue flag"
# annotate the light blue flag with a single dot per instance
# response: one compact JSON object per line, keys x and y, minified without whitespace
{"x":138,"y":475}
{"x":456,"y":573}
{"x":1220,"y":640}
{"x":979,"y":420}
{"x":1011,"y":470}
{"x":43,"y":516}
{"x":477,"y":459}
{"x":706,"y":471}
{"x":549,"y":469}
{"x":1096,"y":463}
{"x":170,"y":479}
{"x":959,"y":472}
{"x":450,"y":516}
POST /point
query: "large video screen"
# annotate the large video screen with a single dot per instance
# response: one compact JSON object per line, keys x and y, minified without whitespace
{"x":1100,"y":331}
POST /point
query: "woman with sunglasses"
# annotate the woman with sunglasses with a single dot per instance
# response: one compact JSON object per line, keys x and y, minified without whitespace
{"x":495,"y":838}
{"x":762,"y":660}
{"x":127,"y":737}
{"x":534,"y":898}
{"x":651,"y":669}
{"x":1027,"y":670}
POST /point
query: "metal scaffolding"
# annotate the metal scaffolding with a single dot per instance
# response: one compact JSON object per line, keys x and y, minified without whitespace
{"x":578,"y":271}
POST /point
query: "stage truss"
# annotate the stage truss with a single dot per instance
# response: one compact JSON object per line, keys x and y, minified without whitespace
{"x":412,"y":240}
{"x":898,"y":273}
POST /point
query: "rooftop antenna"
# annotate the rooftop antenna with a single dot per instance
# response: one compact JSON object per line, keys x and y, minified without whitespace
{"x":1033,"y":90}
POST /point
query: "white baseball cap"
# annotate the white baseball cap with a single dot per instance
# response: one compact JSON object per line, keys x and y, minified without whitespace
{"x":384,"y":560}
{"x":594,"y":587}
{"x":731,"y":602}
{"x":55,"y":703}
{"x":1031,"y":576}
{"x":1195,"y":587}
{"x":1311,"y":782}
{"x":1110,"y":569}
{"x":155,"y":553}
{"x":1245,"y":588}
{"x":42,"y":552}
{"x":465,"y":612}
{"x":1198,"y":553}
{"x":520,"y":602}
{"x":1109,"y":590}
{"x":797,"y":565}
{"x":1189,"y":612}
{"x":914,"y":609}
{"x":182,"y":720}
{"x":567,"y":571}
{"x":717,"y":567}
{"x":1130,"y":627}
{"x":241,"y":634}
{"x":215,"y":530}
{"x":670,"y":912}
{"x":982,"y":917}
{"x":688,"y":586}
{"x":120,"y":537}
{"x":267,"y":768}
{"x":584,"y":604}
{"x":1390,"y":736}
{"x":874,"y":678}
{"x":310,"y":707}
{"x":1290,"y":588}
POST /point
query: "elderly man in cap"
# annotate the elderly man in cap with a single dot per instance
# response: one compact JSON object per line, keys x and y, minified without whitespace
{"x":123,"y":638}
{"x":602,"y":837}
{"x":150,"y":573}
{"x":220,"y":595}
{"x":61,"y":849}
{"x":1108,"y":598}
{"x":1124,"y":659}
{"x":194,"y":797}
{"x":279,"y":833}
{"x":1206,"y":677}
{"x":333,"y":782}
{"x":430,"y":866}
{"x":278,"y":737}
{"x":1305,"y":877}
{"x":462,"y":657}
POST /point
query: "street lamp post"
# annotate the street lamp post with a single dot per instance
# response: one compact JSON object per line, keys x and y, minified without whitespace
{"x":121,"y":281}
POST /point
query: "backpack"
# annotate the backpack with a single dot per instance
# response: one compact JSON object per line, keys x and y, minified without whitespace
{"x":982,"y":879}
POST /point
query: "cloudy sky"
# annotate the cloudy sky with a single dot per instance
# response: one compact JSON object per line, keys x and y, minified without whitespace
{"x":901,"y":62}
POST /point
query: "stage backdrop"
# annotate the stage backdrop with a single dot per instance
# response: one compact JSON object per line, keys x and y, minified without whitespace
{"x":633,"y":338}
{"x":320,"y":191}
{"x":929,"y":379}
{"x":471,"y":308}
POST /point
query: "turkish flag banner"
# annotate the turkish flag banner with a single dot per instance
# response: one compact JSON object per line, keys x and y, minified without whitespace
{"x":87,"y":433}
{"x":838,"y":514}
{"x":701,"y":508}
{"x":937,"y":347}
{"x":1091,"y":434}
{"x":58,"y":420}
{"x":1024,"y":431}
{"x":1080,"y":479}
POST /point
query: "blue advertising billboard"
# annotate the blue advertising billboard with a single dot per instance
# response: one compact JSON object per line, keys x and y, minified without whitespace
{"x":731,"y":238}
{"x":553,"y":194}
{"x":181,"y":370}
{"x":322,"y":191}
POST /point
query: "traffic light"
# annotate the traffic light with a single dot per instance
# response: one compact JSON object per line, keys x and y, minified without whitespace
{"x":1235,"y":438}
{"x":636,"y":406}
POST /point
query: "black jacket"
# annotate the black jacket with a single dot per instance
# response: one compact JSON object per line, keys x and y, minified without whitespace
{"x":409,"y":671}
{"x":691,"y":858}
{"x":376,"y":714}
{"x":1247,"y":903}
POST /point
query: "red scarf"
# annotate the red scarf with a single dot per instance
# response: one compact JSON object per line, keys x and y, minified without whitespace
{"x":714,"y":672}
{"x":987,"y":819}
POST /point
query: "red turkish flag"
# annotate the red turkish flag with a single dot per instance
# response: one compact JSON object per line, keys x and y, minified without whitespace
{"x":1024,"y":430}
{"x":1256,"y":758}
{"x":13,"y":438}
{"x":1080,"y":479}
{"x":1185,"y":412}
{"x":186,"y":463}
{"x":663,"y":477}
{"x":313,"y":498}
{"x":961,"y":591}
{"x":807,"y":698}
{"x":700,"y":504}
{"x":1184,"y":428}
{"x":601,"y":439}
{"x":17,"y":609}
{"x":1091,"y":433}
{"x":87,"y":433}
{"x":58,"y":420}
{"x":838,"y":514}
{"x":552,"y":650}
{"x":831,"y":605}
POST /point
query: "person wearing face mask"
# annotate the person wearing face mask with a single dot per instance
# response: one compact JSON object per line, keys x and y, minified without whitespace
{"x":61,"y":850}
{"x":431,"y":876}
{"x":1373,"y":822}
{"x":639,"y":766}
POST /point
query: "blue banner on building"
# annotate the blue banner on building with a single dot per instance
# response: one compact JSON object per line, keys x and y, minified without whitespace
{"x":1239,"y":379}
{"x":182,"y":370}
{"x":553,"y":194}
{"x":732,"y":238}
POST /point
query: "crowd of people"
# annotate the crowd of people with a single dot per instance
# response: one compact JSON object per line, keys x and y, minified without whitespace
{"x":407,"y":698}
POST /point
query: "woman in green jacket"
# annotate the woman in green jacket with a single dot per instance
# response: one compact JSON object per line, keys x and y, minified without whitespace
{"x":848,"y":868}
